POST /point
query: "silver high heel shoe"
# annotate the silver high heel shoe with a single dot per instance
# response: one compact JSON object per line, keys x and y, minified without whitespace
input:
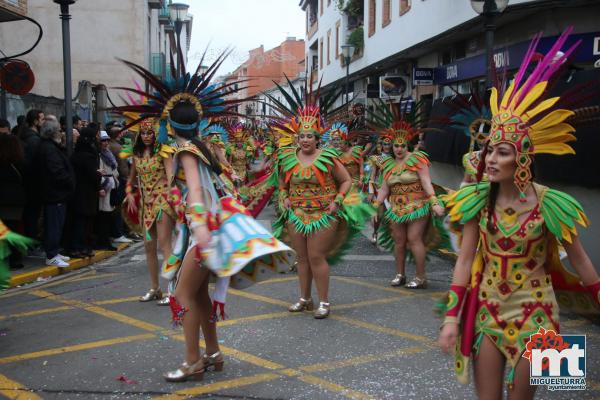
{"x":302,"y":305}
{"x":417,"y":283}
{"x":165,"y":301}
{"x":399,"y":280}
{"x":187,"y":372}
{"x":214,"y":360}
{"x":152,"y":294}
{"x":322,"y":311}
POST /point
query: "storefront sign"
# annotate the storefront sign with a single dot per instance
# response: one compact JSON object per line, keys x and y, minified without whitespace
{"x":422,"y":76}
{"x":510,"y":58}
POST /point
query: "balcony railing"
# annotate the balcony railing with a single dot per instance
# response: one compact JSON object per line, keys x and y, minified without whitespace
{"x":157,"y":64}
{"x":313,"y":29}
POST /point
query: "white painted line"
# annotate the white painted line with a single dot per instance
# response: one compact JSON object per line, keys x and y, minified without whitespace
{"x":359,"y":257}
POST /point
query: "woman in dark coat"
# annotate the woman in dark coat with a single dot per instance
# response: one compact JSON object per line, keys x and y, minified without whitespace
{"x":12,"y":189}
{"x":84,"y":204}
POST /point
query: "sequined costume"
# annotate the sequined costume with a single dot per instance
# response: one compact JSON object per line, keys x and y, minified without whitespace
{"x":517,"y":271}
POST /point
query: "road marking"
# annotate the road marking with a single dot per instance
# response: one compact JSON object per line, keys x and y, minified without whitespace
{"x":257,"y":297}
{"x":259,"y":317}
{"x":367,"y":303}
{"x":383,"y":329}
{"x":36,"y":312}
{"x":14,"y":390}
{"x":99,"y":310}
{"x":362,"y":257}
{"x":95,"y":276}
{"x":218,"y":386}
{"x":77,"y":347}
{"x":277,"y":280}
{"x":353,"y":281}
{"x":116,"y":301}
{"x":334,"y":387}
{"x":366,"y":359}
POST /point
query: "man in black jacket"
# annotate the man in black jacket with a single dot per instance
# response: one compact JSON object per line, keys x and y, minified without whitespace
{"x":30,"y":138}
{"x":57,"y":185}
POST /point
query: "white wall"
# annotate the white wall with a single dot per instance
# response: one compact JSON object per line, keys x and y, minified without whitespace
{"x":101,"y":30}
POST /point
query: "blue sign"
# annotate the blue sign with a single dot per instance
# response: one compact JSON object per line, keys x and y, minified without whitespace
{"x":422,"y":76}
{"x":510,"y":58}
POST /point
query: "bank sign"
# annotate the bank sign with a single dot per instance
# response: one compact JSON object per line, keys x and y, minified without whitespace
{"x":422,"y":76}
{"x":510,"y":58}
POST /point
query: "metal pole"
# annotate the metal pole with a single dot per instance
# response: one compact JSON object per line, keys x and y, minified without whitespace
{"x":178,"y":27}
{"x":490,"y":27}
{"x":66,"y":34}
{"x":347,"y":78}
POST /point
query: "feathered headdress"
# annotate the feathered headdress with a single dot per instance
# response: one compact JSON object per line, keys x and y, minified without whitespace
{"x":237,"y":132}
{"x":337,"y":132}
{"x":195,"y":88}
{"x":472,"y":117}
{"x":525,"y":119}
{"x":400,"y":123}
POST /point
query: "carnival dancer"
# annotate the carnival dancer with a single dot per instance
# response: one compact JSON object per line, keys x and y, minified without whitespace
{"x":224,"y":239}
{"x":152,"y":167}
{"x":240,"y":156}
{"x":502,"y":289}
{"x":350,"y":156}
{"x":9,"y":242}
{"x":318,"y":215}
{"x":408,"y":188}
{"x":383,"y":150}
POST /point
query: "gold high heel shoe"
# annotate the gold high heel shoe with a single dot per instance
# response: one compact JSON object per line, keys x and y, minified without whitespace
{"x":322,"y":311}
{"x":187,"y":372}
{"x":302,"y":305}
{"x":215,"y":360}
{"x":399,"y":280}
{"x":152,"y":294}
{"x":417,"y":283}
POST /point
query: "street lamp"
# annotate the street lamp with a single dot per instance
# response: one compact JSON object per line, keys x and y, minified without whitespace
{"x":66,"y":37}
{"x":178,"y":13}
{"x":489,"y":9}
{"x":347,"y":53}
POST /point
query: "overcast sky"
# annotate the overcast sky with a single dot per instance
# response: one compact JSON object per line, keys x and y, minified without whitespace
{"x":242,"y":24}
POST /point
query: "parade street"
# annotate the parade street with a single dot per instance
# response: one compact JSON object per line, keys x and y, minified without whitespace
{"x":87,"y":336}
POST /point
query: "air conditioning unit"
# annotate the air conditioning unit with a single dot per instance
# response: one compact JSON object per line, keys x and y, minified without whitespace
{"x":394,"y":87}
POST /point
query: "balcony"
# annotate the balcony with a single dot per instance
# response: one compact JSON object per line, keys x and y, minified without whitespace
{"x":157,"y":64}
{"x":156,"y":4}
{"x":164,"y":15}
{"x":313,"y":29}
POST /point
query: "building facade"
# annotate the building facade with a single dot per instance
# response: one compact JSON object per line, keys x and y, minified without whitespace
{"x":430,"y":49}
{"x":102,"y":31}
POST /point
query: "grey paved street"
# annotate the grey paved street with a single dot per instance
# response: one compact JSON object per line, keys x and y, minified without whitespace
{"x":87,"y":337}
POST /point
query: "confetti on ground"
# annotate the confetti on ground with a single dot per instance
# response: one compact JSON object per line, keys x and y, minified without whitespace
{"x":128,"y":381}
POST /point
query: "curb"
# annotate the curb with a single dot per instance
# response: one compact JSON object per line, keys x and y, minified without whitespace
{"x":74,"y":264}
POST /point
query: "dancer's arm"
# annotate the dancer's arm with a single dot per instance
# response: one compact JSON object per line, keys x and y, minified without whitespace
{"x":428,"y":187}
{"x":284,"y":188}
{"x":344,"y":182}
{"x":194,"y":196}
{"x":384,"y":191}
{"x":168,"y":163}
{"x":581,"y":261}
{"x":131,"y":207}
{"x":460,"y":279}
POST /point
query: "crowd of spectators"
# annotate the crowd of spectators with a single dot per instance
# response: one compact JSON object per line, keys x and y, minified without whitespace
{"x":70,"y":204}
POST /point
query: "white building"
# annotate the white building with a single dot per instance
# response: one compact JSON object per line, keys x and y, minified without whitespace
{"x":425,"y":49}
{"x":265,"y":107}
{"x":140,"y":31}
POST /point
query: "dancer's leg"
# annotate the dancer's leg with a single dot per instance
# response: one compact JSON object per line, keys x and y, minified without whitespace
{"x":299,"y":244}
{"x":415,"y":236}
{"x":399,"y":235}
{"x":319,"y":244}
{"x":192,"y":277}
{"x":209,"y":329}
{"x":488,"y":367}
{"x":522,"y":390}
{"x":150,"y":247}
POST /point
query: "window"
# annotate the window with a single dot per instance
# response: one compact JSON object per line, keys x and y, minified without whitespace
{"x":372,"y":17}
{"x":321,"y":53}
{"x":337,"y":40}
{"x":329,"y":47}
{"x":404,"y":6}
{"x":321,"y":5}
{"x":328,"y":3}
{"x":387,"y":13}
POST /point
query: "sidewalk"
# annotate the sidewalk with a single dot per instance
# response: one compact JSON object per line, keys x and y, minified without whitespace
{"x":35,"y":268}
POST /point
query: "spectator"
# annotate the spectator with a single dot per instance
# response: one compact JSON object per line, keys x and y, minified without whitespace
{"x":84,"y":203}
{"x":30,"y":139}
{"x":57,"y":186}
{"x":4,"y":127}
{"x":118,"y":195}
{"x":17,"y":128}
{"x":110,"y":175}
{"x":12,"y":189}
